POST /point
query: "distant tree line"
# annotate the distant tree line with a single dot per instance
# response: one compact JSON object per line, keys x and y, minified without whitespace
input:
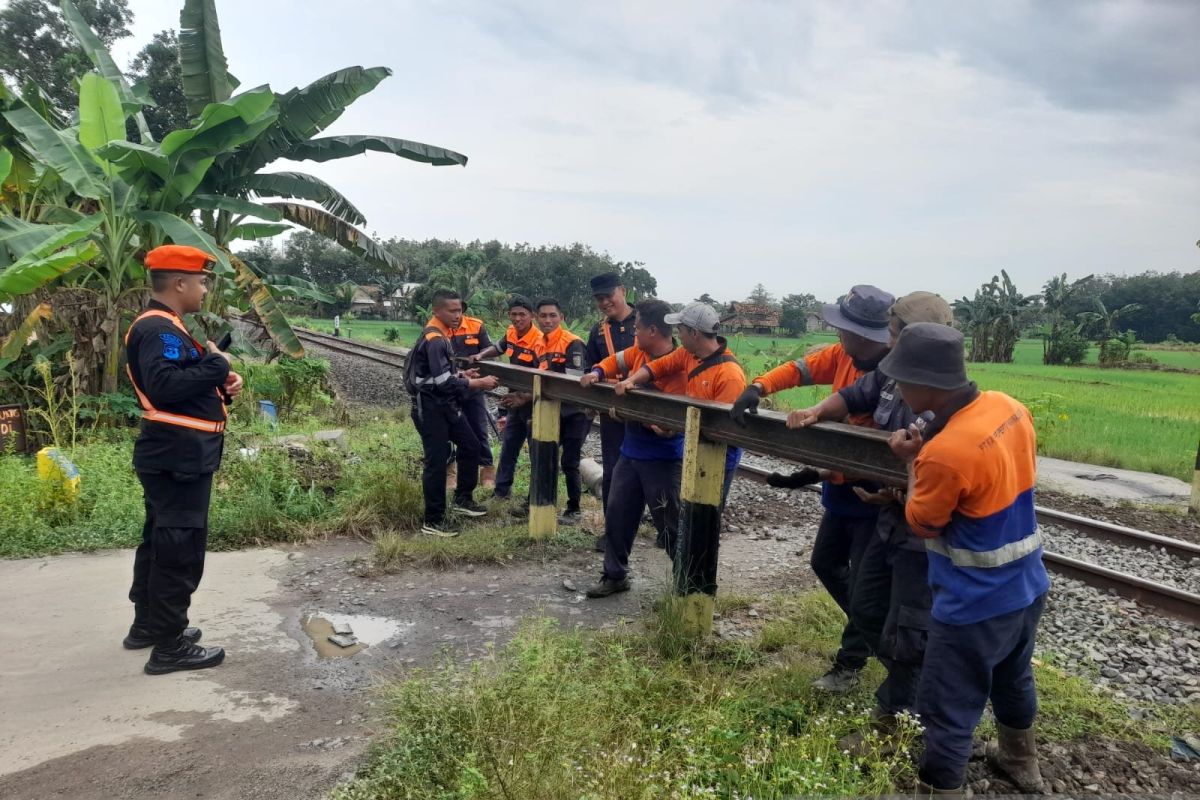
{"x":483,"y":272}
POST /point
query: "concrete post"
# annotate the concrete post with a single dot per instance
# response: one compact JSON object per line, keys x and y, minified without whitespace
{"x":543,"y":465}
{"x":699,"y":527}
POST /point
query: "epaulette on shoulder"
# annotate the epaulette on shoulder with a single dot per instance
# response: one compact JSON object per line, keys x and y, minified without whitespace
{"x":432,"y":335}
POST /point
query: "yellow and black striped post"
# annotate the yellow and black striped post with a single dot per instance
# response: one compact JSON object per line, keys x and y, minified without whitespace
{"x":543,"y":465}
{"x":1194,"y":503}
{"x":699,"y":527}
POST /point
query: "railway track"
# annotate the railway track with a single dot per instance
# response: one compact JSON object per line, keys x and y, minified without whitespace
{"x":1168,"y":599}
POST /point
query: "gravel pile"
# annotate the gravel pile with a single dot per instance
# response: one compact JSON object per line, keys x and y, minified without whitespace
{"x":359,"y":381}
{"x":1150,"y":563}
{"x":1126,"y":647}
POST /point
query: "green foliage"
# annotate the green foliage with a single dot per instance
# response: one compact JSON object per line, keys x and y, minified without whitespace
{"x":156,"y":68}
{"x":303,"y":382}
{"x":994,"y":319}
{"x":391,"y":334}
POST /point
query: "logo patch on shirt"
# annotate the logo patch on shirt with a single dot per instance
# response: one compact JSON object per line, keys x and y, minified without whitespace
{"x":172,"y":346}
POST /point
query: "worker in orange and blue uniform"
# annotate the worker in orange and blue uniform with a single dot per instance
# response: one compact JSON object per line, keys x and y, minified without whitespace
{"x":709,"y":372}
{"x":861,"y":321}
{"x":182,"y":387}
{"x":971,"y":477}
{"x":650,"y":465}
{"x":890,"y":599}
{"x":468,"y":340}
{"x":559,"y":350}
{"x":519,"y":343}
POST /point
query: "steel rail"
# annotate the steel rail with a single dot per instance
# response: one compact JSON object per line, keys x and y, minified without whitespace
{"x":1119,"y":534}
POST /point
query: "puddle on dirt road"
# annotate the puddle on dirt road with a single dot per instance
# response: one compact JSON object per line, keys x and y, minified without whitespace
{"x":367,"y":630}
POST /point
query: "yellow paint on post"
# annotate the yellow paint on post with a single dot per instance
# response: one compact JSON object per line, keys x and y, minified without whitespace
{"x":700,"y":496}
{"x":543,"y":463}
{"x":56,"y":469}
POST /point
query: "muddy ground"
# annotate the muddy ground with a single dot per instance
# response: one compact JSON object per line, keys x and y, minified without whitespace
{"x":275,"y":720}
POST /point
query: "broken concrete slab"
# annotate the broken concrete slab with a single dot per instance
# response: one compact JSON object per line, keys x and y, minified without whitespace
{"x":1110,"y":485}
{"x":342,"y":640}
{"x":335,"y":437}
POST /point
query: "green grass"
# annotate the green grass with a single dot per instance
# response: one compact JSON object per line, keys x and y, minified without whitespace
{"x":641,"y":713}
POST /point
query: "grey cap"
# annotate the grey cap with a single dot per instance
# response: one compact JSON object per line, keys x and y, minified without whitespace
{"x":928,"y":354}
{"x":700,"y":316}
{"x":863,"y":311}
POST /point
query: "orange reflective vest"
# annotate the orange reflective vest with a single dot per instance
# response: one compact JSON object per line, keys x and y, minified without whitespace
{"x":149,"y":412}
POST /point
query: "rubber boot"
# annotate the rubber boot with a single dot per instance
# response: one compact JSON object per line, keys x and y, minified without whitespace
{"x":1014,"y":753}
{"x":487,"y":477}
{"x":860,"y":744}
{"x":925,"y":790}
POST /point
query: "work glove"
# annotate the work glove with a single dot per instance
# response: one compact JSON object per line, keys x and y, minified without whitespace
{"x":804,"y":477}
{"x":747,"y":402}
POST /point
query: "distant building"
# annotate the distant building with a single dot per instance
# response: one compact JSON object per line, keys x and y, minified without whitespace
{"x":814,"y":322}
{"x":395,"y":305}
{"x":367,"y":301}
{"x":750,"y":318}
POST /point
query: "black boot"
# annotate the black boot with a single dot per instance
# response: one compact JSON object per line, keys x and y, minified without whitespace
{"x":181,"y":655}
{"x":139,"y":639}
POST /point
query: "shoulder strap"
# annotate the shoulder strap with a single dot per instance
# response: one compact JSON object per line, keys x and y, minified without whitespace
{"x":714,"y":360}
{"x":169,"y":317}
{"x":606,"y":326}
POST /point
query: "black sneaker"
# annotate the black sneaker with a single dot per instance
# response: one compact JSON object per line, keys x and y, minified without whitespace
{"x":839,"y":680}
{"x":570,"y":517}
{"x":182,"y":655}
{"x":441,"y":530}
{"x":139,"y":640}
{"x":607,"y":586}
{"x":469,"y":508}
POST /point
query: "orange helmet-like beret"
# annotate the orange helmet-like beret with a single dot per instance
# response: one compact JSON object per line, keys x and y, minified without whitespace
{"x":178,"y":258}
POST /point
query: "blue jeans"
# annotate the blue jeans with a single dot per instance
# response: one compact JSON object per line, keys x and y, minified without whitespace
{"x":516,"y":433}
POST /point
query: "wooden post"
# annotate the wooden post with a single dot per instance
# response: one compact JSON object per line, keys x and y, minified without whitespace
{"x":1194,"y":503}
{"x":543,"y":465}
{"x":699,"y":527}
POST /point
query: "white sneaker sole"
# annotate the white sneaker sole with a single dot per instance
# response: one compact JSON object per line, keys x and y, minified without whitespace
{"x":427,"y":531}
{"x":466,"y":512}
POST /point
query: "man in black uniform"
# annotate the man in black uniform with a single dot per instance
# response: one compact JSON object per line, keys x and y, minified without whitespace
{"x":608,"y":337}
{"x":469,"y":340}
{"x":182,"y":387}
{"x":438,"y":390}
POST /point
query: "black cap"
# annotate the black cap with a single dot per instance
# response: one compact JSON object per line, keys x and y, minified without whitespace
{"x":604,"y":283}
{"x":863,"y":311}
{"x":928,"y":354}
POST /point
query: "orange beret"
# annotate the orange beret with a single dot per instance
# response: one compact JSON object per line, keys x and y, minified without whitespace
{"x":178,"y":258}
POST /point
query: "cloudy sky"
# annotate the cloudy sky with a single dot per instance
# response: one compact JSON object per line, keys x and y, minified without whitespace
{"x":807,"y":146}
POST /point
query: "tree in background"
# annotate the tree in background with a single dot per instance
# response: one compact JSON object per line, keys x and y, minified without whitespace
{"x":156,"y":66}
{"x":796,"y":308}
{"x":760,"y":296}
{"x":37,"y":47}
{"x":1063,"y":341}
{"x":1114,"y":346}
{"x":994,"y":318}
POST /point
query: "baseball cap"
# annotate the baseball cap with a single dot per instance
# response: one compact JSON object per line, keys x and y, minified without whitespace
{"x":699,"y":316}
{"x":178,"y":258}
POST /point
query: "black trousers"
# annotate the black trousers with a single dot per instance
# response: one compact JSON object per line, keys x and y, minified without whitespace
{"x":169,"y":562}
{"x":476,"y":411}
{"x":439,"y":424}
{"x":889,"y":606}
{"x":612,"y":436}
{"x":836,"y":556}
{"x":637,"y":484}
{"x":572,"y":433}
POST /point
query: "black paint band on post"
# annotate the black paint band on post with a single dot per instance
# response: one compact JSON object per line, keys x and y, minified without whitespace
{"x":543,"y":464}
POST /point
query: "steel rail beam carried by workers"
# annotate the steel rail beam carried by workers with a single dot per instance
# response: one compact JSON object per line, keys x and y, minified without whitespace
{"x":850,"y":449}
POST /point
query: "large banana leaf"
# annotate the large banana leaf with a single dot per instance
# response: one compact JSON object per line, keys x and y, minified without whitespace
{"x":234,"y":205}
{"x":274,"y":320}
{"x":60,"y":151}
{"x":12,"y":345}
{"x":131,"y":159}
{"x":201,"y":57}
{"x":291,"y":286}
{"x":304,"y":187}
{"x":6,"y":162}
{"x":181,"y":231}
{"x":30,"y":274}
{"x":322,"y":222}
{"x":101,"y":119}
{"x":29,"y":240}
{"x":226,"y":124}
{"x":96,"y":51}
{"x":189,"y":172}
{"x":330,"y":147}
{"x":251,"y":231}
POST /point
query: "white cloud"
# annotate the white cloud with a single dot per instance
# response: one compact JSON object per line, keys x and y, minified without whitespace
{"x":728,"y":144}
